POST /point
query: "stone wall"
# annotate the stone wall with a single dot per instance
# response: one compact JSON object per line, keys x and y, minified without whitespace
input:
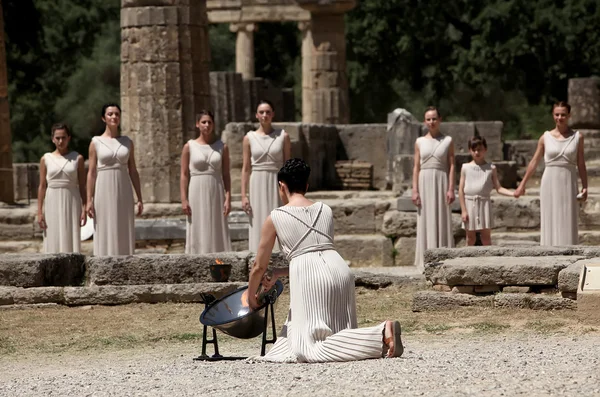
{"x":365,"y":142}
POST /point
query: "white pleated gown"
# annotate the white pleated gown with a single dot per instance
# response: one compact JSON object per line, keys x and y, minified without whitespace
{"x":558,"y":192}
{"x":207,"y":229}
{"x":322,"y":324}
{"x":266,"y":160}
{"x":62,"y":205}
{"x":114,"y":219}
{"x":478,"y":189}
{"x":434,"y":218}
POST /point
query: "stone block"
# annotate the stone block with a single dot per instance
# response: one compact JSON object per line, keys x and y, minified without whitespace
{"x":364,"y":142}
{"x":238,"y":231}
{"x":434,"y":301}
{"x":35,"y":270}
{"x":588,"y":291}
{"x":404,"y":203}
{"x":355,"y":216}
{"x":521,"y":213}
{"x":401,"y":172}
{"x":533,"y":301}
{"x":571,"y":254}
{"x":27,"y":296}
{"x":441,"y":288}
{"x":7,"y":295}
{"x":161,"y":269}
{"x":160,"y":229}
{"x":486,"y":289}
{"x":519,"y":271}
{"x":463,"y":289}
{"x":405,"y":251}
{"x":507,"y":173}
{"x":568,"y":278}
{"x":26,"y":180}
{"x":462,"y":131}
{"x":227,"y":100}
{"x":399,"y":224}
{"x":584,"y":98}
{"x":512,"y":289}
{"x":402,"y":132}
{"x":365,"y":250}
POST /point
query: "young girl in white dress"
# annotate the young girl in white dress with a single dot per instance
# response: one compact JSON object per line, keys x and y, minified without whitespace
{"x":477,"y":179}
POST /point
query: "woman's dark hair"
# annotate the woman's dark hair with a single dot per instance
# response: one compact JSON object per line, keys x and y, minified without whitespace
{"x":205,"y":112}
{"x":294,"y":174}
{"x":432,"y":108}
{"x":476,"y":141}
{"x":59,"y":126}
{"x":108,"y":105}
{"x":561,"y":104}
{"x":265,"y":102}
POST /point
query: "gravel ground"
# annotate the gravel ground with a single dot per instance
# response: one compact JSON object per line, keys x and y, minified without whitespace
{"x":433,"y":365}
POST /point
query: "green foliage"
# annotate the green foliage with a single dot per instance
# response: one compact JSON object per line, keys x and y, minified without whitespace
{"x":478,"y":60}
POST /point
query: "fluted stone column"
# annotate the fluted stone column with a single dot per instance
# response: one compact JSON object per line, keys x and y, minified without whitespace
{"x":165,"y":60}
{"x":244,"y":48}
{"x":324,"y":77}
{"x":6,"y":170}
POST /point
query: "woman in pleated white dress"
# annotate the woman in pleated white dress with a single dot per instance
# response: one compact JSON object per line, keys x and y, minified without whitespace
{"x":61,"y":195}
{"x":206,"y":189}
{"x":112,"y":172}
{"x":433,"y":187}
{"x":322,"y":323}
{"x":562,"y":150}
{"x":264,"y":152}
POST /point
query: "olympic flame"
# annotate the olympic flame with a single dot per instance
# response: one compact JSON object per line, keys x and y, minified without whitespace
{"x":218,"y":261}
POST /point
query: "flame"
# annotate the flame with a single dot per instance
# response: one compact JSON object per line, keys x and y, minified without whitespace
{"x":218,"y":261}
{"x":245,"y":299}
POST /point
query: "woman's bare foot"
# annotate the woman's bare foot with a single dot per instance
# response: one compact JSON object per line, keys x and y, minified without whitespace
{"x":392,"y":339}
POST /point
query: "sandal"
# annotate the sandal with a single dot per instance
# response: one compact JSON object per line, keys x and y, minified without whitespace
{"x":394,"y":342}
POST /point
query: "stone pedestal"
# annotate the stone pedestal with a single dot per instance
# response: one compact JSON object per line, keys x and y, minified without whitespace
{"x":324,"y":78}
{"x":244,"y":48}
{"x":165,"y":60}
{"x":6,"y":172}
{"x":584,"y":98}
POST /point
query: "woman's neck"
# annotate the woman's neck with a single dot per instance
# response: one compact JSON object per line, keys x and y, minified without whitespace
{"x":112,"y":133}
{"x":206,"y":140}
{"x":435,"y":134}
{"x":62,"y":152}
{"x":265,"y":129}
{"x":563,"y":129}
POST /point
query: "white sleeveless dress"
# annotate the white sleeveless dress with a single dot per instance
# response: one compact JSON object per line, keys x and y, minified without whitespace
{"x":478,"y":188}
{"x":62,"y":206}
{"x":322,"y":324}
{"x":558,"y":192}
{"x":266,"y":160}
{"x":434,"y":222}
{"x":114,"y":219}
{"x":207,"y":229}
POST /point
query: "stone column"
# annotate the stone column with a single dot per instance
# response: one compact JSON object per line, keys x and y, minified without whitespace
{"x":165,"y":60}
{"x":244,"y":48}
{"x":324,"y":77}
{"x":6,"y":170}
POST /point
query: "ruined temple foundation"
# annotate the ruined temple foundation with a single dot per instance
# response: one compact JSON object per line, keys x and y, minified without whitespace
{"x":165,"y":60}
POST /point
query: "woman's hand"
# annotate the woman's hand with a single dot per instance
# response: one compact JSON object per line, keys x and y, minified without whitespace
{"x":253,"y":301}
{"x":140,"y":208}
{"x":584,"y":194}
{"x":464,"y":216}
{"x":227,"y":207}
{"x":185,"y":205}
{"x":83,"y":218}
{"x":42,"y":221}
{"x":246,"y":206}
{"x":519,"y":191}
{"x":416,"y":199}
{"x":450,"y":197}
{"x":89,"y":208}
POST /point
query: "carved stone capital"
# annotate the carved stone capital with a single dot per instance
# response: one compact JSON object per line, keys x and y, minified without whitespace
{"x":304,"y":26}
{"x":244,"y":27}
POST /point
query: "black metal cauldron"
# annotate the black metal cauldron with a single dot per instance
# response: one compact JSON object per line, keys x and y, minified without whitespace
{"x":232,"y":315}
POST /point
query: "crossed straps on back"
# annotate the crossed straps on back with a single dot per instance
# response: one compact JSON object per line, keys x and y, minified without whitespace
{"x":294,"y":251}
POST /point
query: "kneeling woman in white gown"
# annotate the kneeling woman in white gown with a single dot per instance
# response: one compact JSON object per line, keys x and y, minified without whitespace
{"x":321,"y":325}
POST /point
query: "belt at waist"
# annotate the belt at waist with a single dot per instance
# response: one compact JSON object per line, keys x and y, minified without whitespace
{"x":265,"y":167}
{"x":113,"y":167}
{"x":564,"y":165}
{"x":61,"y":184}
{"x":476,"y":197}
{"x":310,"y":248}
{"x":204,"y":173}
{"x":434,"y":167}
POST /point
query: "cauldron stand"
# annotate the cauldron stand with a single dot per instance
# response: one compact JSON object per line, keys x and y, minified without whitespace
{"x":269,"y":310}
